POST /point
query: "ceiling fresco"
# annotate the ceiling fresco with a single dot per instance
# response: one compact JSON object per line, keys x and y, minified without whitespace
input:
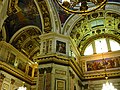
{"x":23,"y":14}
{"x":62,"y":14}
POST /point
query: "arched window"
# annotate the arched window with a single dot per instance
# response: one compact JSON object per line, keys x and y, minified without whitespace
{"x":101,"y":45}
{"x":89,"y":50}
{"x":114,"y":45}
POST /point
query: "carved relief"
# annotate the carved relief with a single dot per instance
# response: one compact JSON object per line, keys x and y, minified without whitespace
{"x":61,"y":72}
{"x":12,"y":84}
{"x":12,"y":8}
{"x":60,"y":84}
{"x":27,"y":41}
{"x":47,"y":46}
{"x":46,"y":16}
{"x":88,"y":27}
{"x":2,"y":76}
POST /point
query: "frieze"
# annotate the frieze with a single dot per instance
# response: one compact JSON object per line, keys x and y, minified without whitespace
{"x":61,"y":60}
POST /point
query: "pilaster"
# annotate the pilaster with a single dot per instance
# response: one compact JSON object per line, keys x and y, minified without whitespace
{"x":54,"y":43}
{"x":2,"y":76}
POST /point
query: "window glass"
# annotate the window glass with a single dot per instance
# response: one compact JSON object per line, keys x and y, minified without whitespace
{"x":114,"y":45}
{"x":101,"y":45}
{"x":89,"y":50}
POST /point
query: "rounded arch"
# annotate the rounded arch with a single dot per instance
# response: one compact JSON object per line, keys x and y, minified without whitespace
{"x":75,"y":18}
{"x":91,"y":39}
{"x":70,"y":23}
{"x":22,"y":30}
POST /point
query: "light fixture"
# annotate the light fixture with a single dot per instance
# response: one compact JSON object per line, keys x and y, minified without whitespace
{"x":22,"y":87}
{"x":81,"y":6}
{"x":108,"y":86}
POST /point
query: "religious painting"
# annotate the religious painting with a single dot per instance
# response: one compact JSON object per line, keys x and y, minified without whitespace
{"x":102,"y":63}
{"x":25,"y":14}
{"x":60,"y":84}
{"x":22,"y":65}
{"x":11,"y":58}
{"x":63,"y":16}
{"x":61,"y":47}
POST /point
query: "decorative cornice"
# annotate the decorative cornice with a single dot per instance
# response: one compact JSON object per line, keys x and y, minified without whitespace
{"x":61,"y":60}
{"x":17,"y":73}
{"x":101,"y":75}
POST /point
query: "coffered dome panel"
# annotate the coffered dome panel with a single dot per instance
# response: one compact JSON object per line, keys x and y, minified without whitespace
{"x":27,"y":41}
{"x":96,"y":25}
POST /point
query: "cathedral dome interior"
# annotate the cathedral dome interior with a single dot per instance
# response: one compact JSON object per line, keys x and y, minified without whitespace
{"x":44,"y":47}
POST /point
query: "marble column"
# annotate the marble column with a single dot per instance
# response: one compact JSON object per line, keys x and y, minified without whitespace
{"x":48,"y":78}
{"x":41,"y":79}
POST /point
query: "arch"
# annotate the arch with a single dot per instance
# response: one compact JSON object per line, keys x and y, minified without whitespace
{"x":75,"y":18}
{"x":22,"y":30}
{"x":91,"y":39}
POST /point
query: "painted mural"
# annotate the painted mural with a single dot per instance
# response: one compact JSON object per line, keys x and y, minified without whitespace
{"x":61,"y":47}
{"x":62,"y":14}
{"x":102,"y":63}
{"x":26,"y":13}
{"x":22,"y":65}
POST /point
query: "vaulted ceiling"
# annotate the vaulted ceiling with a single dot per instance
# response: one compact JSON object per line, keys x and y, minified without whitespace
{"x":27,"y":19}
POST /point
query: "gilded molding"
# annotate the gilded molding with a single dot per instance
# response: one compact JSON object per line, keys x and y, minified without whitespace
{"x":16,"y":72}
{"x":61,"y":60}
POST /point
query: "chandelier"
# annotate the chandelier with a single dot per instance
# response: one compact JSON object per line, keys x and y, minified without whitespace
{"x":81,"y":6}
{"x":108,"y":86}
{"x":22,"y":87}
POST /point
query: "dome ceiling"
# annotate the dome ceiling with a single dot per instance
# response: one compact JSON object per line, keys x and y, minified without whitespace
{"x":21,"y":13}
{"x":25,"y":22}
{"x":27,"y":19}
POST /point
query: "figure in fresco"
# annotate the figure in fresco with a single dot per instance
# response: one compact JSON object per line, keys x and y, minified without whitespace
{"x":101,"y":64}
{"x":61,"y":47}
